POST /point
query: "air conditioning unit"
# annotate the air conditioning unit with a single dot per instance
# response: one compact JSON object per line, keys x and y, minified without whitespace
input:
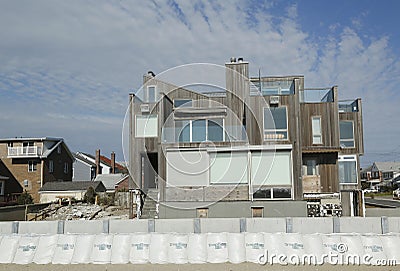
{"x":274,"y":100}
{"x":144,"y":108}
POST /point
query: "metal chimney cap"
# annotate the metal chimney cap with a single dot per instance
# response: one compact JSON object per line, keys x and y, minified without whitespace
{"x":240,"y":59}
{"x":233,"y":59}
{"x":151,"y":73}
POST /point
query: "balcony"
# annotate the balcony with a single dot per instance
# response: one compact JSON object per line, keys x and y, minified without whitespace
{"x":24,"y":152}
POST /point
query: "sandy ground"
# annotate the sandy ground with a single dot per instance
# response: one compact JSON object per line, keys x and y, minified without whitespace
{"x":191,"y":267}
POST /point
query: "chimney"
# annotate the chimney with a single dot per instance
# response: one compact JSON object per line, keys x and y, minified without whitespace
{"x":98,"y":167}
{"x":113,"y":162}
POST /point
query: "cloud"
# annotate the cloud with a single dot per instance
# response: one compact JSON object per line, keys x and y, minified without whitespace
{"x":63,"y":61}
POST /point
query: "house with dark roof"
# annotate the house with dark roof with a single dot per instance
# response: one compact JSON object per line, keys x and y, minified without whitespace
{"x":53,"y":191}
{"x":29,"y":163}
{"x":87,"y":167}
{"x":113,"y":182}
{"x":381,"y":173}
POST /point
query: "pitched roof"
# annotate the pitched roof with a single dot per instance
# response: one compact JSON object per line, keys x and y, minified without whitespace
{"x":106,"y":161}
{"x":83,"y":159}
{"x":111,"y":180}
{"x":72,"y":186}
{"x":388,"y":166}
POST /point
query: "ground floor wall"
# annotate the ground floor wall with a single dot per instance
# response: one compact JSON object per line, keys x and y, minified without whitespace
{"x":232,"y":209}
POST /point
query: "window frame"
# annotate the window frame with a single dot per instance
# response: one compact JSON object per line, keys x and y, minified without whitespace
{"x":32,"y":166}
{"x":187,"y":103}
{"x":275,"y":131}
{"x":66,"y":168}
{"x":316,"y":134}
{"x":51,"y":166}
{"x":347,"y":140}
{"x":143,"y":133}
{"x":2,"y":185}
{"x":206,"y":120}
{"x":348,"y":158}
{"x":146,"y":96}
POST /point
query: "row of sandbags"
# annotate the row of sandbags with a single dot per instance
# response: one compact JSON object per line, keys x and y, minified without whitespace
{"x":159,"y":248}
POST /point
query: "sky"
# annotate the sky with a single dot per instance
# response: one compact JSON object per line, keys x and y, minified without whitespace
{"x":67,"y":67}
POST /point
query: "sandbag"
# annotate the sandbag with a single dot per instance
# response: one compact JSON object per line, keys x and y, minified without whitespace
{"x":391,"y":244}
{"x":374,"y":248}
{"x":120,"y":249}
{"x":158,"y":252}
{"x":314,"y":251}
{"x":236,"y":247}
{"x":8,"y":246}
{"x":254,"y":245}
{"x":83,"y":249}
{"x":101,"y":249}
{"x":139,"y":248}
{"x":353,"y":249}
{"x":217,"y":248}
{"x":274,"y":245}
{"x":197,"y":248}
{"x":330,"y":244}
{"x":26,"y":249}
{"x":178,"y":248}
{"x":45,"y":249}
{"x":64,"y":249}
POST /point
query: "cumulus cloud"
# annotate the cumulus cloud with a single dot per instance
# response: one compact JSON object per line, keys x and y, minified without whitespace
{"x":67,"y":67}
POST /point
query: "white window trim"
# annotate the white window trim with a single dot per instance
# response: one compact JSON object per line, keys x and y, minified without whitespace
{"x":349,"y":158}
{"x":320,"y":130}
{"x":3,"y":183}
{"x":347,"y":140}
{"x":146,"y":95}
{"x":32,"y":166}
{"x":51,"y":166}
{"x":276,"y":130}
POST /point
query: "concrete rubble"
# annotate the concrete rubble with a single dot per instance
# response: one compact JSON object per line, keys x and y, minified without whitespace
{"x":84,"y":211}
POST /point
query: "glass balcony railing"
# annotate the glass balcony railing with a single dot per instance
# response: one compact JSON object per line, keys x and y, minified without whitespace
{"x":348,"y":106}
{"x":316,"y":96}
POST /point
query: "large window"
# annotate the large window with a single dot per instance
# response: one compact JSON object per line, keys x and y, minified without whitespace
{"x":316,"y":130}
{"x":346,"y":134}
{"x":146,"y":126}
{"x":199,"y":130}
{"x":348,"y":170}
{"x":275,"y":123}
{"x":228,"y":167}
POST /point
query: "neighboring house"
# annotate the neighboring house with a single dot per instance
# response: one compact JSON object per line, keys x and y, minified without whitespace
{"x":264,"y":147}
{"x":53,"y":191}
{"x":32,"y":162}
{"x":381,"y":173}
{"x":114,"y":182}
{"x":87,"y":167}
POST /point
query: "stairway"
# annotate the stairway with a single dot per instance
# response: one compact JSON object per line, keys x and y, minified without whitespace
{"x":149,"y":207}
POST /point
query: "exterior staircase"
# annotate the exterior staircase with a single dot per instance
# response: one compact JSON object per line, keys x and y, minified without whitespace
{"x":149,"y":206}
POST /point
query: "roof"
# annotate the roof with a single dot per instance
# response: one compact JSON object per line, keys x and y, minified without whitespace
{"x":103,"y":160}
{"x":72,"y":186}
{"x":364,"y":170}
{"x":388,"y":166}
{"x":83,"y":159}
{"x":111,"y":180}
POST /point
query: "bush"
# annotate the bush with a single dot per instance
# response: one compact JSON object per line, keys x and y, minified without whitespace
{"x":90,"y":195}
{"x":24,"y":198}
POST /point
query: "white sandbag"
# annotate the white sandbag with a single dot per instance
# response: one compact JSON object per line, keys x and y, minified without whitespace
{"x":217,"y":247}
{"x":8,"y":246}
{"x":158,"y":252}
{"x":294,"y":248}
{"x":101,"y":249}
{"x":26,"y":249}
{"x":254,"y":244}
{"x":236,"y":247}
{"x":391,"y":244}
{"x":83,"y":249}
{"x":314,"y":251}
{"x":373,"y":248}
{"x":330,"y":244}
{"x":353,"y":249}
{"x":45,"y":249}
{"x":178,"y":248}
{"x":197,"y":248}
{"x":139,"y":248}
{"x":64,"y":249}
{"x":120,"y":249}
{"x":274,"y":246}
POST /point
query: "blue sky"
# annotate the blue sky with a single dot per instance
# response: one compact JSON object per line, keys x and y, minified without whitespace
{"x":66,"y":67}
